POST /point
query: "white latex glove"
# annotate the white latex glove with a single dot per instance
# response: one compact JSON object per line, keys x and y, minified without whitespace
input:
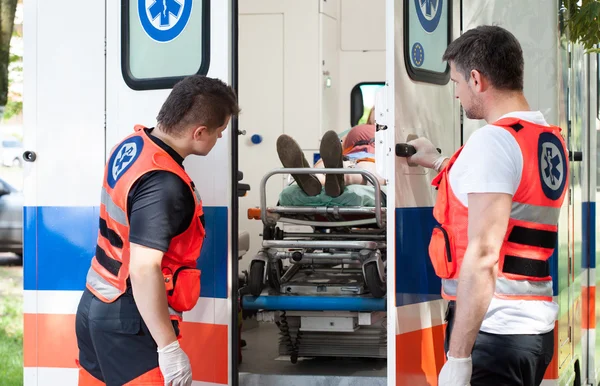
{"x":426,"y":155}
{"x":456,"y":372}
{"x":175,"y":365}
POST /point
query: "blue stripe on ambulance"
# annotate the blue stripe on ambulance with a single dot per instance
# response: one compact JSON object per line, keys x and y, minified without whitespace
{"x":416,"y":281}
{"x":66,"y":242}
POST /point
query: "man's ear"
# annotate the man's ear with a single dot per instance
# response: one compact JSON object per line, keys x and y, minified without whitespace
{"x":199,"y":133}
{"x":478,"y":81}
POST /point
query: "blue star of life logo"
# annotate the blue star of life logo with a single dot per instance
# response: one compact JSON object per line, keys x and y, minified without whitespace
{"x":552,"y":165}
{"x":123,"y":158}
{"x":552,"y":174}
{"x":165,"y":9}
{"x":164,"y":20}
{"x":429,"y":13}
{"x":429,"y":8}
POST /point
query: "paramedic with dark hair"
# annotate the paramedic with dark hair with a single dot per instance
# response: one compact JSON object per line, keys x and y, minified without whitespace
{"x":151,"y":230}
{"x":498,"y":204}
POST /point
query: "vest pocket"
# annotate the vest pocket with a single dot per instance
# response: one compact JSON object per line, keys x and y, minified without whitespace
{"x":441,"y":252}
{"x":186,"y":289}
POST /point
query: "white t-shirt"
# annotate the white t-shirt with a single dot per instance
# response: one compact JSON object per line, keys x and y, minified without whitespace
{"x":493,"y":148}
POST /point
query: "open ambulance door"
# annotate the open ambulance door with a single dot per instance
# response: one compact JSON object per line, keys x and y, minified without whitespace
{"x":420,"y":100}
{"x":148,"y":49}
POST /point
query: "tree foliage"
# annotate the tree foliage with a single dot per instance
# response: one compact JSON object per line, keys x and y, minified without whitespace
{"x":582,"y":23}
{"x":7,"y":21}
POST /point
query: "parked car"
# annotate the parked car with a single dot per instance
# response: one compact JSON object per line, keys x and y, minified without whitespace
{"x":11,"y":219}
{"x":12,"y":150}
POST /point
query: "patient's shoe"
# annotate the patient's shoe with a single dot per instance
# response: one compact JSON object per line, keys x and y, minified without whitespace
{"x":331,"y":154}
{"x":291,"y":156}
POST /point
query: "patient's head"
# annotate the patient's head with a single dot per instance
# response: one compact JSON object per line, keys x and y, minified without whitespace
{"x":360,"y":138}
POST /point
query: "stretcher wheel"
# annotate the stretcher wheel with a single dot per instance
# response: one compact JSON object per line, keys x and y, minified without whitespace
{"x":255,"y":281}
{"x":374,"y":283}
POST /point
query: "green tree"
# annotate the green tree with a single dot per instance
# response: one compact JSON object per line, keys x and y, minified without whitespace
{"x":582,"y":22}
{"x":7,"y":21}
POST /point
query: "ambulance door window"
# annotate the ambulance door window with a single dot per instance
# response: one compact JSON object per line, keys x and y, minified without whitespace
{"x":163,"y":41}
{"x":427,"y":26}
{"x":362,"y":101}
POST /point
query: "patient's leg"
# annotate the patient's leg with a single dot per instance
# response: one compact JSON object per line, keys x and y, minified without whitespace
{"x":291,"y":156}
{"x":331,"y":154}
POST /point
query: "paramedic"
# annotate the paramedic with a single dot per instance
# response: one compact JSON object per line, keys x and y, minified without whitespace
{"x":143,"y":275}
{"x":498,"y":203}
{"x":357,"y":151}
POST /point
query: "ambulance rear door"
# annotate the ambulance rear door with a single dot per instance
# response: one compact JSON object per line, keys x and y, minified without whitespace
{"x":150,"y":45}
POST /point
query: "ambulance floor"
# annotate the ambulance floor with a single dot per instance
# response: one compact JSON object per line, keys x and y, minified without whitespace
{"x":262,"y":364}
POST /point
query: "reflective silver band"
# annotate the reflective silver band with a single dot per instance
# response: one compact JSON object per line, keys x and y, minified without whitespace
{"x":109,"y":292}
{"x":449,"y":286}
{"x":112,"y":209}
{"x":510,"y":287}
{"x":197,"y":195}
{"x":100,"y":285}
{"x":506,"y":286}
{"x":536,"y":214}
{"x":172,"y":312}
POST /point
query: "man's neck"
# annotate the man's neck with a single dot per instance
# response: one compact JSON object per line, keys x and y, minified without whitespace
{"x":503,"y":103}
{"x":174,"y":143}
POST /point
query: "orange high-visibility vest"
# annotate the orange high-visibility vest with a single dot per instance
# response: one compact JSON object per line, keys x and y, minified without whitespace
{"x":108,"y":275}
{"x":531,"y":236}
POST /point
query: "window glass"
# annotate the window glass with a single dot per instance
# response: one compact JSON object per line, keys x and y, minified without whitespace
{"x":426,"y":36}
{"x":164,"y":41}
{"x":368,"y":96}
{"x":362,"y":100}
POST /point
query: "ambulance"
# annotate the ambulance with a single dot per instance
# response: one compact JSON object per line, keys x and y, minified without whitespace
{"x":300,"y":67}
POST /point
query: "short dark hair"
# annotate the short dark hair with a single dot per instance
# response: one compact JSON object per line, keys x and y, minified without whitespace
{"x":197,"y":100}
{"x":491,"y":50}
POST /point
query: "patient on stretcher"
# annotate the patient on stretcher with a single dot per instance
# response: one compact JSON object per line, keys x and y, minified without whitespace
{"x":358,"y":151}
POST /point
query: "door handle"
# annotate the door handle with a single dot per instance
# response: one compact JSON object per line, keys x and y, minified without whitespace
{"x":29,"y":156}
{"x":242,"y":189}
{"x":406,"y":150}
{"x":575,"y":156}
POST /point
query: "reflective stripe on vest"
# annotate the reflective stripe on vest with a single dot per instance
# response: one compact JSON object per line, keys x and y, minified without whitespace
{"x":533,"y":213}
{"x":101,"y":287}
{"x":177,"y":314}
{"x":112,"y":209}
{"x":110,"y":293}
{"x":507,"y":287}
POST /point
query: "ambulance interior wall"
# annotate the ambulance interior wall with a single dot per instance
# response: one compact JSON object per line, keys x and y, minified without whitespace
{"x":287,"y":52}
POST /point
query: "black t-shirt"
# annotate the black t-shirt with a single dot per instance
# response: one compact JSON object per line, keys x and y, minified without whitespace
{"x":160,"y":205}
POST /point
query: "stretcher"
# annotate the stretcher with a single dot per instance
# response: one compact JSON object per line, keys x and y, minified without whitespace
{"x":335,"y":268}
